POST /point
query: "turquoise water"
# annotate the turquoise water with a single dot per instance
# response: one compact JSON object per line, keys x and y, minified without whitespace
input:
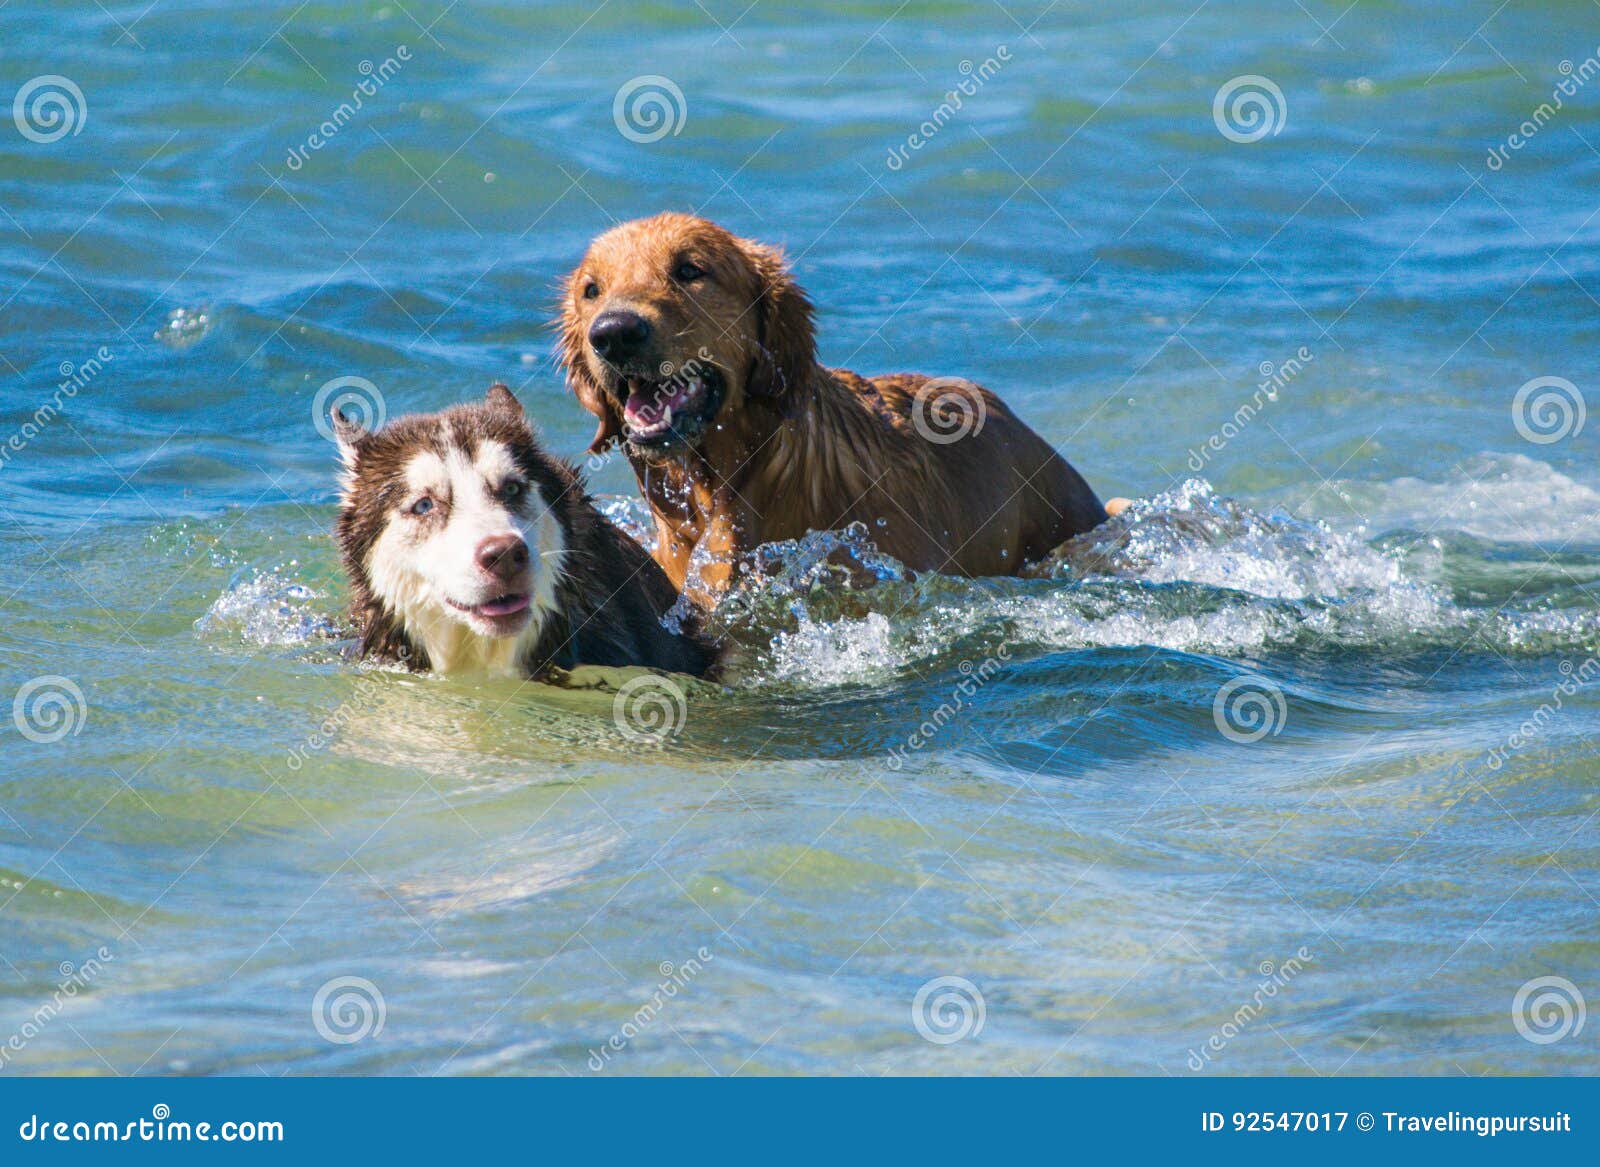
{"x":1292,"y":771}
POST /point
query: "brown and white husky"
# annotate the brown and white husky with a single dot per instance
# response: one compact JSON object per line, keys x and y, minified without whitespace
{"x":471,"y":549}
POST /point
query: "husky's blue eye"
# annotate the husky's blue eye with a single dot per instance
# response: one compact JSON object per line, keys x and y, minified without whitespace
{"x":513,"y":490}
{"x":422,"y":506}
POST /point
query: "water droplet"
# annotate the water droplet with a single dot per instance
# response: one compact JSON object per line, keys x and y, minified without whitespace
{"x":184,"y":328}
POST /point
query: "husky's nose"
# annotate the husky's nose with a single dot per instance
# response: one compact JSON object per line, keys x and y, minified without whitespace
{"x":618,"y":335}
{"x":502,"y":556}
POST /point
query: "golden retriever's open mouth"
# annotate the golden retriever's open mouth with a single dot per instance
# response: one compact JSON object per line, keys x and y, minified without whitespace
{"x":660,"y":412}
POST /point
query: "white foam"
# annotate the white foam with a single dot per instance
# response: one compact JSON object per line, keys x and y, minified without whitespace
{"x":1185,"y":571}
{"x":837,"y":652}
{"x":1510,"y":498}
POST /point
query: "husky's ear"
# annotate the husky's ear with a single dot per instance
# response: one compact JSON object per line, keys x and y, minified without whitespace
{"x":501,"y":397}
{"x":349,"y":431}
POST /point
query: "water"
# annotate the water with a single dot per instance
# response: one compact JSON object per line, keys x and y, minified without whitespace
{"x":1371,"y":579}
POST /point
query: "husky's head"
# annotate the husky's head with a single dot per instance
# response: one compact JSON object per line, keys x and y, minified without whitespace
{"x":454,"y":531}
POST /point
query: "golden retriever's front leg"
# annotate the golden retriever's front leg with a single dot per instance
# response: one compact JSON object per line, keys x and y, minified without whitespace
{"x":721,"y":548}
{"x":674,"y":548}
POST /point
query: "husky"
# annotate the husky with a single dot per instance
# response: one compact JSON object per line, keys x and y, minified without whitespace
{"x":469,"y":548}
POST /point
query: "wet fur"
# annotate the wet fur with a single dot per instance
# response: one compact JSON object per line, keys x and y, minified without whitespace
{"x":796,"y":446}
{"x":608,"y":595}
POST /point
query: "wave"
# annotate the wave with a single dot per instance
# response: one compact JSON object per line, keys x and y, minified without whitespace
{"x":1186,"y":570}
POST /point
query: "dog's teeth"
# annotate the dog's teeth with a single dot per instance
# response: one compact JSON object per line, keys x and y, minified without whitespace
{"x":666,"y":417}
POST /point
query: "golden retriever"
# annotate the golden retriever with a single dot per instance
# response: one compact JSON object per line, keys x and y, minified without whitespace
{"x":696,"y":348}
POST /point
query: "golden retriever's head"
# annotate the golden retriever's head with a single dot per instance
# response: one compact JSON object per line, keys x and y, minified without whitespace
{"x":672,"y":325}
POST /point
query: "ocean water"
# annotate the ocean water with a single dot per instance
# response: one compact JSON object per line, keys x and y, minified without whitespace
{"x":1290,"y":770}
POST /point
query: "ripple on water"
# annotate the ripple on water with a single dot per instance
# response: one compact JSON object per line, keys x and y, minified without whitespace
{"x":1186,"y":570}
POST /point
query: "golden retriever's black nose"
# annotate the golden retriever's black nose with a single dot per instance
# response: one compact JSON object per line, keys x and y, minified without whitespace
{"x":618,"y":335}
{"x":502,"y":556}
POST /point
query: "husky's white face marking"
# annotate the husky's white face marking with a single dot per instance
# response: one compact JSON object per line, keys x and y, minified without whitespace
{"x":469,"y":558}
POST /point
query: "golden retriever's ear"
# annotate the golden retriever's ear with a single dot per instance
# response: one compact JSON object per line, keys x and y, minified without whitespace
{"x":783,"y":321}
{"x":571,"y":346}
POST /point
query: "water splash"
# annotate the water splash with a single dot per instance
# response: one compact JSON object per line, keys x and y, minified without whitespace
{"x":185,"y":328}
{"x":1191,"y":534}
{"x":268,"y":607}
{"x":1186,"y":570}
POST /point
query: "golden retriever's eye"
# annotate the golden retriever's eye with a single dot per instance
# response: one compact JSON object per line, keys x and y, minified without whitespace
{"x":423,"y":506}
{"x":591,"y":290}
{"x":686,"y":272}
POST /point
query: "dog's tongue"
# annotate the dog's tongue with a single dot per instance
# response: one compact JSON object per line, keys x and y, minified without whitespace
{"x":504,"y":605}
{"x":650,"y":402}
